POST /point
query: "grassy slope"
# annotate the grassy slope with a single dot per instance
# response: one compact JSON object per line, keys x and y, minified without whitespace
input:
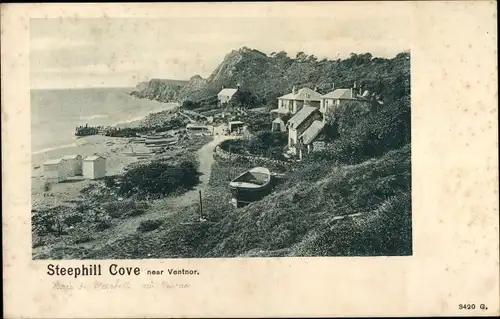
{"x":299,"y":219}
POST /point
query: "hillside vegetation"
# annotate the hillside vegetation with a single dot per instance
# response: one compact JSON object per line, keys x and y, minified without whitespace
{"x":300,"y":219}
{"x":269,"y":76}
{"x":353,"y":199}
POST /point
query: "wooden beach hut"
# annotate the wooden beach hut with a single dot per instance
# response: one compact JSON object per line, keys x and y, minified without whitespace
{"x":73,"y":164}
{"x":54,"y":170}
{"x":94,"y":167}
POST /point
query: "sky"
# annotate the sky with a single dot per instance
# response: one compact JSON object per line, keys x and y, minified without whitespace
{"x":120,"y":52}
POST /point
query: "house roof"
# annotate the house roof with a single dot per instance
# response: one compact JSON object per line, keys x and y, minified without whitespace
{"x":338,"y":94}
{"x":53,"y":161}
{"x":227,"y":92}
{"x":312,"y":132}
{"x":72,"y":156}
{"x":301,"y":116}
{"x":302,"y":94}
{"x":92,"y":158}
{"x":278,"y":120}
{"x":236,"y":122}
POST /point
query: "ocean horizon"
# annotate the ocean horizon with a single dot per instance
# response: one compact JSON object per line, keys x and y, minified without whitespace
{"x":55,"y":113}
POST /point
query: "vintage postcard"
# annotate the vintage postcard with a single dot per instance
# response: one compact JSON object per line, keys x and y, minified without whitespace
{"x":250,"y":159}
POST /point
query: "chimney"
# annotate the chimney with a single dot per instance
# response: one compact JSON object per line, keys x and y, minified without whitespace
{"x":315,"y":89}
{"x":352,"y":93}
{"x":237,"y":87}
{"x":293,"y":90}
{"x":223,"y":87}
{"x":333,"y":86}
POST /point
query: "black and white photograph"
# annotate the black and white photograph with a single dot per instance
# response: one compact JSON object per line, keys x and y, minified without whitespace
{"x":207,"y":137}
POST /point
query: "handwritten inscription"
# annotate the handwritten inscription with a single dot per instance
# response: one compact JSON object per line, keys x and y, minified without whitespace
{"x":62,"y":285}
{"x":164,"y":285}
{"x":116,"y":285}
{"x":99,"y":285}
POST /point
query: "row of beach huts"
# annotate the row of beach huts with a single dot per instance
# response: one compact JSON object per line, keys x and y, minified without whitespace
{"x":61,"y":169}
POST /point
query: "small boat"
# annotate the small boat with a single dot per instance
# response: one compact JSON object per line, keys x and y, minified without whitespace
{"x":137,"y":140}
{"x":138,"y":154}
{"x":160,"y":141}
{"x":250,"y":186}
{"x":149,"y":136}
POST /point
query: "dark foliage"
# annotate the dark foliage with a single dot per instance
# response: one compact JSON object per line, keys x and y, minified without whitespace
{"x":159,"y":178}
{"x":200,"y":105}
{"x":269,"y":76}
{"x":266,"y":143}
{"x":244,"y":99}
{"x":149,"y":225}
{"x":357,"y":135}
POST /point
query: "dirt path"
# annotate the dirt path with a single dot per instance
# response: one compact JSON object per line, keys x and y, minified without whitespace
{"x":206,"y":159}
{"x":162,"y":207}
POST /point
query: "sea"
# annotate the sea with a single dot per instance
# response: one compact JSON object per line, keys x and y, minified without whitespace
{"x":56,"y":113}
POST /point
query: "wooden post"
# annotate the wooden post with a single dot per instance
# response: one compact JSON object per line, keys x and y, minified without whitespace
{"x":230,"y":164}
{"x":201,"y":206}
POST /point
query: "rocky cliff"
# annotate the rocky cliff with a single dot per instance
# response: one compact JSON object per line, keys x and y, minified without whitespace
{"x":163,"y":90}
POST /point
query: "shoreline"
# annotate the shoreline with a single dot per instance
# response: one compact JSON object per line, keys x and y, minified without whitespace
{"x":55,"y":150}
{"x":116,"y":150}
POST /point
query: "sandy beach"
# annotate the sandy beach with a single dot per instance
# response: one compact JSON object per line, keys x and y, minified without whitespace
{"x":112,"y":148}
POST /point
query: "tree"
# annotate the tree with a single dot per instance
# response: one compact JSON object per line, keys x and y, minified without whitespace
{"x":301,"y":56}
{"x":48,"y":221}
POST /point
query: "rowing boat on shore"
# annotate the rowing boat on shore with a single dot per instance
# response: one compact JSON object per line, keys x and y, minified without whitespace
{"x":160,"y":141}
{"x":137,"y":140}
{"x":160,"y":145}
{"x":152,"y":137}
{"x":250,"y":186}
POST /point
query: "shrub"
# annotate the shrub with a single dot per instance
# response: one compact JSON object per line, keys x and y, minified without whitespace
{"x":103,"y":225}
{"x":37,"y":242}
{"x":236,"y":146}
{"x":135,"y":212}
{"x":83,"y":208}
{"x":268,"y":144}
{"x":125,"y":208}
{"x":264,"y":143}
{"x":158,"y":178}
{"x":73,"y":219}
{"x":82,"y":238}
{"x":142,"y":205}
{"x":109,"y":181}
{"x":149,"y":225}
{"x":48,"y":221}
